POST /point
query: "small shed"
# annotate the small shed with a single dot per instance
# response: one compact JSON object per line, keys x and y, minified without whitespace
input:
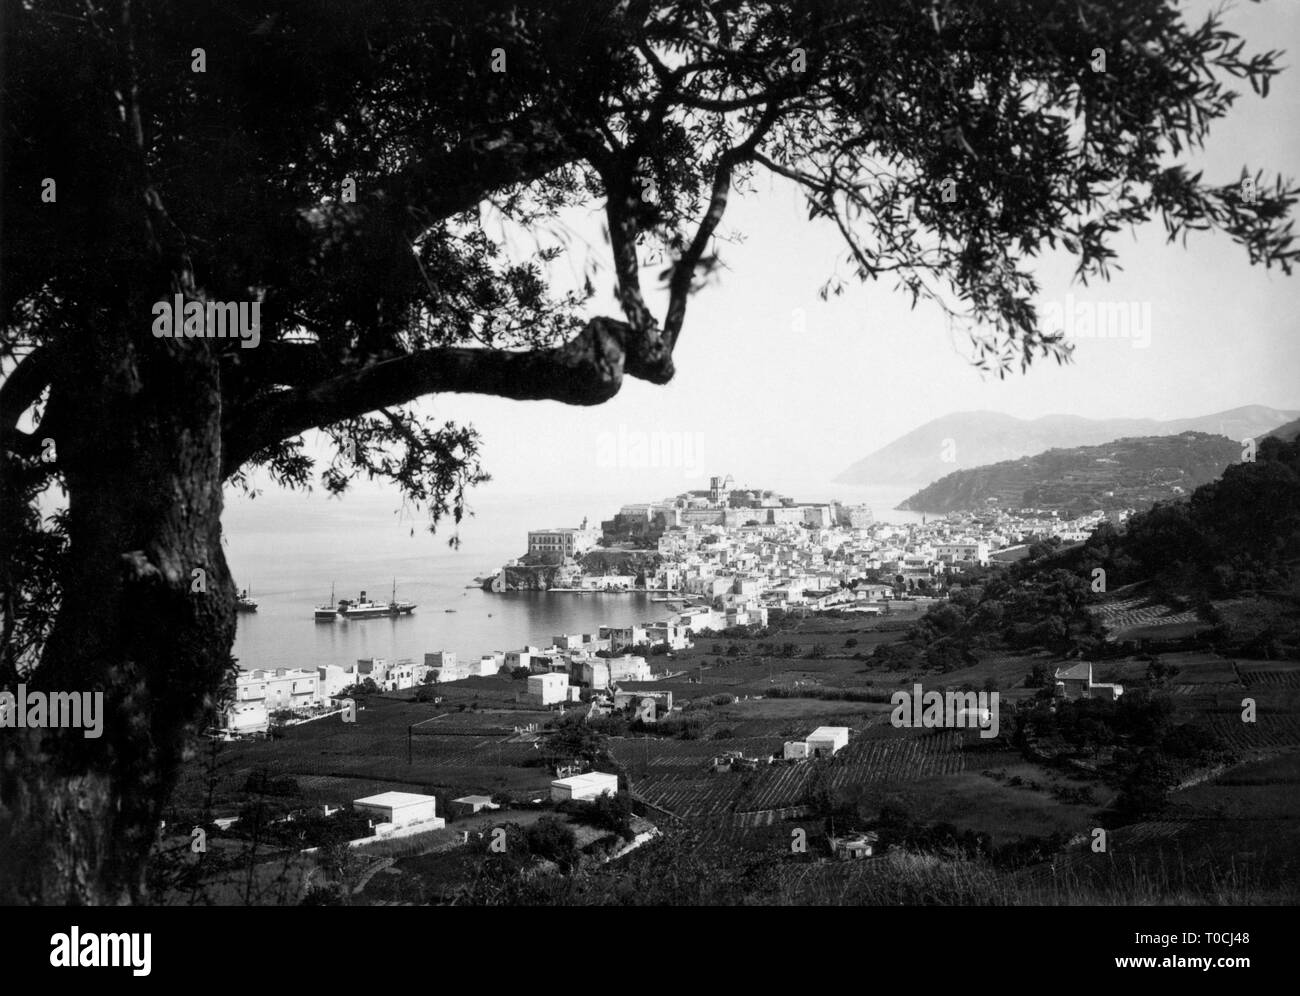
{"x":854,"y":845}
{"x":468,"y":805}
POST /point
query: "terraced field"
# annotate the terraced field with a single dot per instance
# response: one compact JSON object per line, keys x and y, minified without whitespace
{"x":780,"y":786}
{"x":685,"y":755}
{"x":757,"y":793}
{"x":772,"y":790}
{"x":1268,"y":731}
{"x":1128,"y":614}
{"x":899,"y":759}
{"x":689,"y":797}
{"x":1281,"y":675}
{"x":1211,"y":690}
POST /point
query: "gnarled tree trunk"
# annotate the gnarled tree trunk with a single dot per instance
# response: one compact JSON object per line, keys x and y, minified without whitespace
{"x":138,"y":436}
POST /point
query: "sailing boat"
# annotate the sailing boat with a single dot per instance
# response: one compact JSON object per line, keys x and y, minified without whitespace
{"x":329,"y":612}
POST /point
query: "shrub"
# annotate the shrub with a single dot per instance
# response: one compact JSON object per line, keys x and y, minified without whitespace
{"x":552,"y":839}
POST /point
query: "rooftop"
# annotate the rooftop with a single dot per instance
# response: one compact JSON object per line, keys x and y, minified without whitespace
{"x":394,"y":800}
{"x":1077,"y":672}
{"x":590,"y":778}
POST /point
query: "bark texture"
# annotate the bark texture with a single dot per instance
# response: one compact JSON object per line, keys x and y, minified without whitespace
{"x":139,"y":439}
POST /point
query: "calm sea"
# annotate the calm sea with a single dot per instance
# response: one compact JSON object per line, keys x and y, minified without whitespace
{"x":289,"y":548}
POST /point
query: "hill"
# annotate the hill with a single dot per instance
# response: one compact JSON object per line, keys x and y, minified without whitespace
{"x":963,"y":440}
{"x":1125,"y":473}
{"x":1287,"y":433}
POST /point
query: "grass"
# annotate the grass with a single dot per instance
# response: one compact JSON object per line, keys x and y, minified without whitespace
{"x":921,"y":879}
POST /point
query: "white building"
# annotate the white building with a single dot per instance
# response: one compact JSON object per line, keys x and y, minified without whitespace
{"x":397,"y":810}
{"x":282,"y":688}
{"x":546,"y":689}
{"x":333,"y":679}
{"x":390,"y":676}
{"x":519,"y":658}
{"x":446,"y":667}
{"x":443,"y":665}
{"x":826,"y":740}
{"x":247,"y":717}
{"x":673,"y":635}
{"x":1075,"y":682}
{"x":574,"y":641}
{"x":795,"y":750}
{"x":822,"y":742}
{"x":629,"y":667}
{"x":593,"y":672}
{"x":401,"y":674}
{"x":601,"y":672}
{"x":623,"y":636}
{"x":963,"y":553}
{"x":563,"y":542}
{"x":592,"y":785}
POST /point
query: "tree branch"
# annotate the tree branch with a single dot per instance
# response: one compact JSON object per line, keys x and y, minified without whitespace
{"x":679,"y":284}
{"x":23,"y":387}
{"x":448,"y":182}
{"x":587,"y":370}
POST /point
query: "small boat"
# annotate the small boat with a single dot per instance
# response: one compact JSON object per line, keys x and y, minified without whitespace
{"x":245,"y":604}
{"x":329,"y":611}
{"x":448,"y":610}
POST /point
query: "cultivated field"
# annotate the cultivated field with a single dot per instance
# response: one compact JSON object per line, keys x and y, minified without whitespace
{"x":750,"y":695}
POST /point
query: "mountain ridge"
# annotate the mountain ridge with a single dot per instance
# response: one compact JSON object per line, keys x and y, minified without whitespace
{"x":1133,"y":472}
{"x":965,"y":440}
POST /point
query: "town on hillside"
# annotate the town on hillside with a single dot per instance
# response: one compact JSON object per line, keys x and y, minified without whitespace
{"x":749,"y":547}
{"x":716,"y":560}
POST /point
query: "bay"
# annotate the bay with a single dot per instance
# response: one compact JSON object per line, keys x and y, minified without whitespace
{"x":288,"y":548}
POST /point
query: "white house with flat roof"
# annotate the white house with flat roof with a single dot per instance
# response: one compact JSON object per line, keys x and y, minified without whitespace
{"x":247,"y":717}
{"x":822,"y":742}
{"x":281,"y":688}
{"x":826,"y":740}
{"x":563,"y":542}
{"x":546,"y":689}
{"x":795,"y":750}
{"x":402,"y":809}
{"x":585,"y":787}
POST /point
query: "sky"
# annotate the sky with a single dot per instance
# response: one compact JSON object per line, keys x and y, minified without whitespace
{"x":777,"y":407}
